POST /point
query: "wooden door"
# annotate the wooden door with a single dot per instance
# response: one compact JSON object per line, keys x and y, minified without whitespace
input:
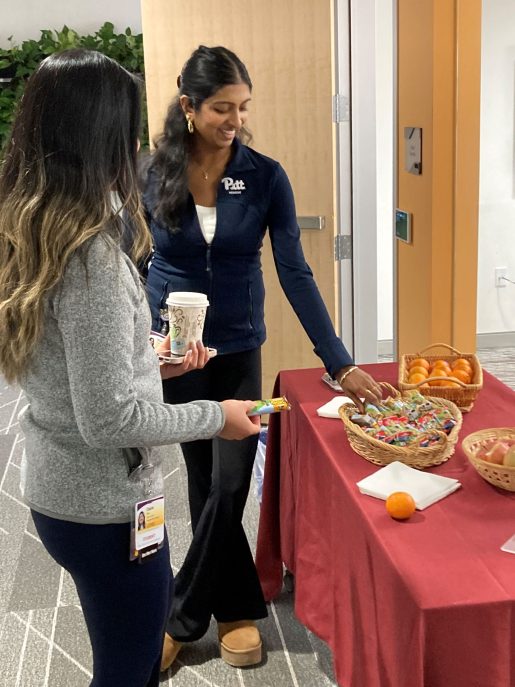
{"x":287,"y":47}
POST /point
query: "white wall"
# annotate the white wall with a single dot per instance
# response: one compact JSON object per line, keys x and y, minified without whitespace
{"x":24,"y":19}
{"x":496,"y":307}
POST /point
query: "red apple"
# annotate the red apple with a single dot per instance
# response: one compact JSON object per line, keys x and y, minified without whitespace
{"x":482,"y":453}
{"x":496,"y":453}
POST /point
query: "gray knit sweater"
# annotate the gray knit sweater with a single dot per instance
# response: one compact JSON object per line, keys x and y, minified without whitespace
{"x":94,"y":389}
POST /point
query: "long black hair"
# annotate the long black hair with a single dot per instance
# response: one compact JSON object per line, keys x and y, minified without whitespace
{"x":74,"y":143}
{"x":206,"y":71}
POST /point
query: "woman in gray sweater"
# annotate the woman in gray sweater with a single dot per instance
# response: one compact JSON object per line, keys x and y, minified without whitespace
{"x":74,"y":333}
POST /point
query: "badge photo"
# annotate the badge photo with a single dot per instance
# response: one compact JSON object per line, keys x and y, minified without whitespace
{"x":148,"y":525}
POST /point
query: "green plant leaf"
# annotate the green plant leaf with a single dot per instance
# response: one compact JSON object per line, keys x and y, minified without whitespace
{"x":126,"y":48}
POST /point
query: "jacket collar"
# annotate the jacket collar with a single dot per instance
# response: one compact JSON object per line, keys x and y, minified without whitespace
{"x":241,"y":160}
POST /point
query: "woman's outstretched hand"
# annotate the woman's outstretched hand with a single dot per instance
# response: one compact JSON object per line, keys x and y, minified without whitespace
{"x":358,"y":385}
{"x":238,"y":424}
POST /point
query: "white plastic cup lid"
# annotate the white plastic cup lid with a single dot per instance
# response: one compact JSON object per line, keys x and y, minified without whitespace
{"x":187,"y":298}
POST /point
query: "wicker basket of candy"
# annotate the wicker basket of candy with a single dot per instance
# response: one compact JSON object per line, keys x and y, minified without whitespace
{"x":453,"y":375}
{"x":417,"y":430}
{"x":492,"y":453}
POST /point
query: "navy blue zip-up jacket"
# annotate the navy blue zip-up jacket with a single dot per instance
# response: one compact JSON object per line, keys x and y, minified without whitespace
{"x":254,"y":194}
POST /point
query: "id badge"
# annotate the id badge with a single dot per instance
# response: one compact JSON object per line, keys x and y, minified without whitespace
{"x":148,"y":528}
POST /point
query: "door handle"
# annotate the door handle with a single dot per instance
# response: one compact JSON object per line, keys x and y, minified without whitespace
{"x":316,"y":222}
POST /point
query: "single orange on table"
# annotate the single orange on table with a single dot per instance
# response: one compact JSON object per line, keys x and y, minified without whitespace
{"x":419,"y":362}
{"x":400,"y":505}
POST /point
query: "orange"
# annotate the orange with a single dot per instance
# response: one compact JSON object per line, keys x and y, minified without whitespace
{"x":450,"y":383}
{"x":419,"y":362}
{"x":416,"y":377}
{"x":436,"y":373}
{"x":418,"y":369}
{"x":461,"y":361}
{"x":439,"y":372}
{"x":462,"y":375}
{"x":443,"y":364}
{"x":400,"y":505}
{"x":462,"y":364}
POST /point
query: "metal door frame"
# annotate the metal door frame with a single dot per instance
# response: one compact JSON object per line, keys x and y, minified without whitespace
{"x":356,"y":174}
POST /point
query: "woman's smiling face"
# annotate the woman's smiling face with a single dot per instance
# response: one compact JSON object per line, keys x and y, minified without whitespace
{"x":220,"y":117}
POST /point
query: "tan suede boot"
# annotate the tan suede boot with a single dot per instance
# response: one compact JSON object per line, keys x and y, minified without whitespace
{"x":240,"y":643}
{"x":171,"y":648}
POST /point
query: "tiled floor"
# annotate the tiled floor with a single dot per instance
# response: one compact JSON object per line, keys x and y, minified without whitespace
{"x":43,"y":642}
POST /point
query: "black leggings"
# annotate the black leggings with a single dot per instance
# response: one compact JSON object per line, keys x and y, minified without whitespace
{"x":218,"y":576}
{"x":124,"y":603}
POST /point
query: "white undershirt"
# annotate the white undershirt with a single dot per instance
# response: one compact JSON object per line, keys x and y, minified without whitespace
{"x":207,"y":221}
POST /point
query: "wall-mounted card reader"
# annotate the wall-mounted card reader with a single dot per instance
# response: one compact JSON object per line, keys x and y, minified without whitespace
{"x":403,"y":225}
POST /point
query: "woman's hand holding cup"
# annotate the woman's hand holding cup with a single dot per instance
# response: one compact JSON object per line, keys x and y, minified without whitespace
{"x":195,"y":358}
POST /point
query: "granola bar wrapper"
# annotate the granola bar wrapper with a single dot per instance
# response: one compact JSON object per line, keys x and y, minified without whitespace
{"x":269,"y":405}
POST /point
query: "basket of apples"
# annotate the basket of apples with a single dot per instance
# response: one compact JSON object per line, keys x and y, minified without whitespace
{"x":492,"y":453}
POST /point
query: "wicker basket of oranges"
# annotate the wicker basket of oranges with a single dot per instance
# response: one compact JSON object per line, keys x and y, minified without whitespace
{"x":452,"y":375}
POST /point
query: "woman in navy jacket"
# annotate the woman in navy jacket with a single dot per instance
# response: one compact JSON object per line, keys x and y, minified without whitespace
{"x":210,"y":200}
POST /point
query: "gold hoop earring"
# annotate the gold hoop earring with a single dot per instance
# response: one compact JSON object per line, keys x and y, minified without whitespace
{"x":191,"y":128}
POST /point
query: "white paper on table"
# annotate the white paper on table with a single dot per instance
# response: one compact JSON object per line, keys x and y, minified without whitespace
{"x":330,"y":409}
{"x":509,"y":546}
{"x":425,"y":487}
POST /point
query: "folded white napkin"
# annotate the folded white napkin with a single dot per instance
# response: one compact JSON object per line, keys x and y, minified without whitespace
{"x":330,"y":409}
{"x":425,"y":487}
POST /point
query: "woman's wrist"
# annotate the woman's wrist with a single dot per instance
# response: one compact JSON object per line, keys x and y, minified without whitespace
{"x":346,"y":372}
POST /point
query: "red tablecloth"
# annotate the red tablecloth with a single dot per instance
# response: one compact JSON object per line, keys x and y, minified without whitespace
{"x":429,"y":602}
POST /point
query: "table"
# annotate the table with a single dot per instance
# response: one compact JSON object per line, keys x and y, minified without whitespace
{"x":429,"y":602}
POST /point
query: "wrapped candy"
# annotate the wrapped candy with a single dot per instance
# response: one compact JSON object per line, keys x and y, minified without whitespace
{"x":404,"y":421}
{"x":362,"y":420}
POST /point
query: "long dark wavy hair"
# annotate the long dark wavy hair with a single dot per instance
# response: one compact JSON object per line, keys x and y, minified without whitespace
{"x":206,"y":71}
{"x":73,"y":145}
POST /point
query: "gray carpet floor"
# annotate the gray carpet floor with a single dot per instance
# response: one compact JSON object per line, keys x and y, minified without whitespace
{"x":43,"y":639}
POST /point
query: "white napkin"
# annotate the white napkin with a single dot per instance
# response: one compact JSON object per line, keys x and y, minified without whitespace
{"x":330,"y":409}
{"x":425,"y":487}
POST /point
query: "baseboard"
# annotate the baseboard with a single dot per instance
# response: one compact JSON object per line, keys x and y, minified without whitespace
{"x":496,"y":340}
{"x":488,"y":340}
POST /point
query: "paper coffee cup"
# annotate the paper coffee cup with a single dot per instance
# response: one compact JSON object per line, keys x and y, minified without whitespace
{"x":187,"y":312}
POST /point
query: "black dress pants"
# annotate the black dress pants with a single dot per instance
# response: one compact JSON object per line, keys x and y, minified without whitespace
{"x":218,"y":576}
